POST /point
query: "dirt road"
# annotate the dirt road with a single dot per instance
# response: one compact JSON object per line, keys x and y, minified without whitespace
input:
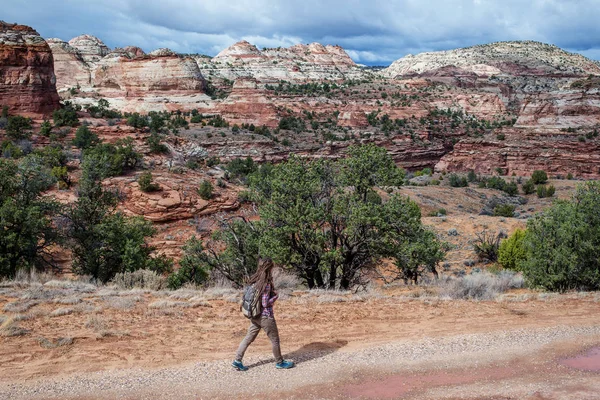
{"x":378,"y":347}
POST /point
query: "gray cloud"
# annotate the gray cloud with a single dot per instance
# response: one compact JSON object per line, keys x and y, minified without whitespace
{"x":373,"y":31}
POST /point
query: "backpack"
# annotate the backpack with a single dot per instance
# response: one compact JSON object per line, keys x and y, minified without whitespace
{"x":251,"y":302}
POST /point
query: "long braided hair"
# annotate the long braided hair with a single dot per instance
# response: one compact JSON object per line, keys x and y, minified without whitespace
{"x":263,"y":275}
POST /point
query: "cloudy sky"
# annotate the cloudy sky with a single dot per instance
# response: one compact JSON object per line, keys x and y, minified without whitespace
{"x":374,"y":32}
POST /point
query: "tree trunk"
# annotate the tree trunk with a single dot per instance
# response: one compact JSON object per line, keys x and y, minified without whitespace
{"x":332,"y":275}
{"x":344,"y":283}
{"x":319,"y":279}
{"x":434,"y":272}
{"x":310,"y":280}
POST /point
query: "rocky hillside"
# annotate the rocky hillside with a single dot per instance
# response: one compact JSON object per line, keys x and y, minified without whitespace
{"x":27,"y":80}
{"x":511,"y":58}
{"x":296,"y":63}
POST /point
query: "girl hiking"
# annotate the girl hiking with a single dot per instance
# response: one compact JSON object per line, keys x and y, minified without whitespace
{"x":262,"y":282}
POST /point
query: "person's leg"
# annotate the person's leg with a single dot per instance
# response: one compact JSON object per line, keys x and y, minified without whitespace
{"x":253,"y":331}
{"x":270,"y":327}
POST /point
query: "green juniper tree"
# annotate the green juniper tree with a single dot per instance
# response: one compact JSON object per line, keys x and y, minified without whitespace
{"x":26,"y":228}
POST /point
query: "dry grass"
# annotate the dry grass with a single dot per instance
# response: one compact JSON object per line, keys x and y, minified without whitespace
{"x":10,"y":328}
{"x":160,"y":304}
{"x":59,"y":312}
{"x":75,"y":286}
{"x":50,"y":344}
{"x":19,"y":306}
{"x":481,"y":286}
{"x":38,"y":292}
{"x":102,"y":327}
{"x":184,"y":294}
{"x":68,"y":300}
{"x":121,"y":302}
{"x":141,"y":279}
{"x":219,"y":292}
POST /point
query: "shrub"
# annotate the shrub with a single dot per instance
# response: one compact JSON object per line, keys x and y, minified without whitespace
{"x":140,"y":279}
{"x":18,"y":127}
{"x":66,"y":116}
{"x":85,"y":138}
{"x":192,"y":267}
{"x":155,"y":144}
{"x":292,"y":123}
{"x":486,"y":245}
{"x":482,"y":286}
{"x":504,"y":210}
{"x":471,"y":176}
{"x":529,"y":187}
{"x":113,"y":160}
{"x":104,"y":242}
{"x":495,"y":182}
{"x":542,"y":191}
{"x":458,"y":181}
{"x":26,"y":215}
{"x":512,"y":251}
{"x":563,"y":243}
{"x":11,"y":150}
{"x":511,"y":189}
{"x":539,"y":177}
{"x":205,"y":190}
{"x":62,"y":177}
{"x":137,"y":121}
{"x":241,"y":167}
{"x":46,"y":128}
{"x":545,"y":191}
{"x":146,"y":184}
{"x":213,"y":161}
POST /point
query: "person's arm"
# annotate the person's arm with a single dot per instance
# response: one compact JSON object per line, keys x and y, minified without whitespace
{"x":273,"y":299}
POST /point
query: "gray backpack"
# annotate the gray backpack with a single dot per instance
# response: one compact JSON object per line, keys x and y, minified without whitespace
{"x":251,"y":302}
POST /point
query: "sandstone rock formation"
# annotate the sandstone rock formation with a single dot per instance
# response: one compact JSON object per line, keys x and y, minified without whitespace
{"x":89,"y":47}
{"x":513,"y":58}
{"x":296,"y":63}
{"x":130,"y":79}
{"x":528,"y":82}
{"x":524,"y":151}
{"x":27,"y":80}
{"x":69,"y":66}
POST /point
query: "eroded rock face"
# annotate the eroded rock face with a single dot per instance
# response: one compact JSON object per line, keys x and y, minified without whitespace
{"x":524,"y":151}
{"x":27,"y":80}
{"x":90,"y":48}
{"x":565,"y":109}
{"x":131,"y":80}
{"x":69,"y":65}
{"x":120,"y":76}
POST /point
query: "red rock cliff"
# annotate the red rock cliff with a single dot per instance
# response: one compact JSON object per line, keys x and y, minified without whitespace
{"x":27,"y":81}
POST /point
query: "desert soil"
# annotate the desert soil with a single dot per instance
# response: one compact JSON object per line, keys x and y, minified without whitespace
{"x":389,"y":343}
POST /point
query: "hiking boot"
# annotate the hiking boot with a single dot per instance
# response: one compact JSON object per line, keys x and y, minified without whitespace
{"x":285,"y":365}
{"x":239,"y":366}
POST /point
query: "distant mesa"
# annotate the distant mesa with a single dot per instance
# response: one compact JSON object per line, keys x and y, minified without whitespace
{"x":513,"y":58}
{"x":314,"y":53}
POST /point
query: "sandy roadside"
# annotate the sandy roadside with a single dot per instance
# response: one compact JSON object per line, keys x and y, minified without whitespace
{"x":521,"y":363}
